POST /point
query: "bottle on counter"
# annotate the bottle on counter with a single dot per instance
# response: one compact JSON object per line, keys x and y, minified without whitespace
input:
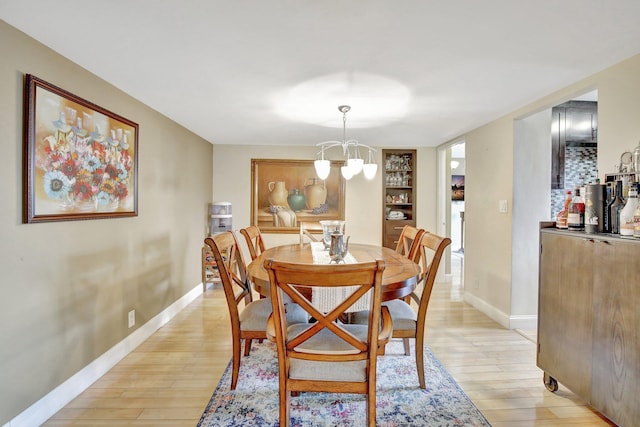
{"x":616,"y":207}
{"x":636,"y":222}
{"x":595,"y":199}
{"x":575,"y":217}
{"x":561,"y":218}
{"x":627,"y":213}
{"x":607,"y":206}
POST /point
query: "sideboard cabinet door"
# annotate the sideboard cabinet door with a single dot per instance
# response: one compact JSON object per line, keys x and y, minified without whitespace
{"x":564,"y":311}
{"x":616,"y":331}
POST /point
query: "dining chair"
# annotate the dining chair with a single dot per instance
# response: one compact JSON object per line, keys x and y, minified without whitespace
{"x":248,"y":323}
{"x":408,"y":245}
{"x":310,"y":231}
{"x":408,"y":241}
{"x":254,"y":240}
{"x":327,"y":355}
{"x":406,"y":322}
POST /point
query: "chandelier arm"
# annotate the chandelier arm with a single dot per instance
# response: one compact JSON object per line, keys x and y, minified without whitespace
{"x":330,"y":144}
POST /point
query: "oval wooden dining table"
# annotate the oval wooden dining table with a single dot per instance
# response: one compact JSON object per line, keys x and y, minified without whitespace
{"x":399,"y":278}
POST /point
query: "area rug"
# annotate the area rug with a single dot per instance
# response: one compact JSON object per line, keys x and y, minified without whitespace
{"x":400,"y":400}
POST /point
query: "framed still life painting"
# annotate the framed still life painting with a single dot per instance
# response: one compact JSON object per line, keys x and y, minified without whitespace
{"x":287,"y":192}
{"x":79,"y":160}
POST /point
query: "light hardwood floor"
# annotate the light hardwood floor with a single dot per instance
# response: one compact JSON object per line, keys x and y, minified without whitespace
{"x":169,"y":379}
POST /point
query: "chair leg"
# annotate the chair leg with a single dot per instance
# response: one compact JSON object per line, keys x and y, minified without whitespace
{"x":407,"y":348}
{"x":235,"y":369}
{"x":371,"y":407}
{"x":247,"y":346}
{"x":381,"y":350}
{"x":285,"y":403}
{"x":420,"y":358}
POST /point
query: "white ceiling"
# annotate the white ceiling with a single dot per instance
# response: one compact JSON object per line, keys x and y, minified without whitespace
{"x":416,"y":72}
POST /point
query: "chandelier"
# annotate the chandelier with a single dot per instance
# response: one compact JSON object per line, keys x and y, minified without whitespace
{"x":354,"y":164}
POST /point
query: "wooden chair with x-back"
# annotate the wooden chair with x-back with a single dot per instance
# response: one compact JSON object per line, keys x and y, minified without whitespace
{"x":407,"y":322}
{"x":248,"y":317}
{"x":327,"y":356}
{"x":254,"y":240}
{"x":408,"y":242}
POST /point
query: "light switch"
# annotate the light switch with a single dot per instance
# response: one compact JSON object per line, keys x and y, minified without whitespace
{"x":502,"y":206}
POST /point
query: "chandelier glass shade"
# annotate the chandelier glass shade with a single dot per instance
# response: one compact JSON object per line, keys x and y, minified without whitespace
{"x":354,"y":163}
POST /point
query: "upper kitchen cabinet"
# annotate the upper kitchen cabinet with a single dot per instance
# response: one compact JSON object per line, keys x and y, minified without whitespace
{"x":573,"y":124}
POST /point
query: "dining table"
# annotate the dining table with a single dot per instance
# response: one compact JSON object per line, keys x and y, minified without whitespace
{"x":399,"y":278}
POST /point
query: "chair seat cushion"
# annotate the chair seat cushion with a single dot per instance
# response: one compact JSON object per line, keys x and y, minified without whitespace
{"x":402,"y":315}
{"x":326,"y":342}
{"x":254,"y":316}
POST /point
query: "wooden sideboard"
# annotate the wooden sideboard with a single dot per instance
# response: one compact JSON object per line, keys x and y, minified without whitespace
{"x":589,"y":319}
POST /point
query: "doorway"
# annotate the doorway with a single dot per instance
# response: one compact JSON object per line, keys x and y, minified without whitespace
{"x":457,"y":173}
{"x":451,"y":167}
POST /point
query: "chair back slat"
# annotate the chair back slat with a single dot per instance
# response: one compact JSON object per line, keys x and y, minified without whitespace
{"x":409,"y":242}
{"x":255,"y":242}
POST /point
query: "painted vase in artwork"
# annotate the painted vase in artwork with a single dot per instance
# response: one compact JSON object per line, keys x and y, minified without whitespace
{"x":315,"y":192}
{"x":278,"y":193}
{"x":296,"y":201}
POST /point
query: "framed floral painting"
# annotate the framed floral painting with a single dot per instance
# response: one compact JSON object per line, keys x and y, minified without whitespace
{"x":79,"y":160}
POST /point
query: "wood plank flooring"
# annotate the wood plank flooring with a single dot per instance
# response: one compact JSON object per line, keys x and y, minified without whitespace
{"x":169,"y":379}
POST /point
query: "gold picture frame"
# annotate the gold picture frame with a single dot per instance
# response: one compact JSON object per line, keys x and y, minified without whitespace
{"x":287,"y":192}
{"x":80,"y":161}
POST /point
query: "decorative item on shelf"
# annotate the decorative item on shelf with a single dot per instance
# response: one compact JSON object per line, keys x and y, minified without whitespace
{"x":636,"y":158}
{"x":354,"y":163}
{"x":395,"y":215}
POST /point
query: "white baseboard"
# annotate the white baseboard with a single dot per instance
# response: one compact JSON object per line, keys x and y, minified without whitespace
{"x":506,"y":321}
{"x":487,"y":309}
{"x":524,"y":322}
{"x":59,"y":397}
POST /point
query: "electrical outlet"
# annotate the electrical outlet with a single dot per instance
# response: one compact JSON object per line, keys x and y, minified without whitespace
{"x":476,"y":283}
{"x":132,"y":318}
{"x":502,"y":206}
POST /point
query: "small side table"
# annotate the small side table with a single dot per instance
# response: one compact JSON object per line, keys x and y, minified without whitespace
{"x":210,"y":272}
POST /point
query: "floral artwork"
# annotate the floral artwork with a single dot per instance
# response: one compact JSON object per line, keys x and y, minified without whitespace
{"x":80,"y":159}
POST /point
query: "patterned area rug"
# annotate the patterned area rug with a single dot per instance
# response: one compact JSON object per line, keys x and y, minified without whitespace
{"x":400,"y":400}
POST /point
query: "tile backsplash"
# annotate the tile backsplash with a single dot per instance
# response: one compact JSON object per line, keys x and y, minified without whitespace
{"x":580,"y":168}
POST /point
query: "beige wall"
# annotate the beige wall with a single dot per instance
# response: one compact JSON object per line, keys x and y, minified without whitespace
{"x":363,"y":210}
{"x":489,"y":177}
{"x":66,"y":288}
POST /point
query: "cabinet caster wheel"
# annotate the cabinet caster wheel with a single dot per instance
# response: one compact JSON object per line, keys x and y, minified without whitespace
{"x":550,"y":383}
